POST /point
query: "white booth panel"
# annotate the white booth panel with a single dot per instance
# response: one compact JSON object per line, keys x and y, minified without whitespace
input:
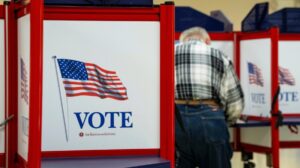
{"x":23,"y":84}
{"x":2,"y":83}
{"x":260,"y":136}
{"x":72,"y":113}
{"x":287,"y":135}
{"x":289,"y":76}
{"x":224,"y":46}
{"x":255,"y":62}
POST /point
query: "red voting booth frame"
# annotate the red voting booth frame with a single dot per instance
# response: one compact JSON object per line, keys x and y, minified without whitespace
{"x":276,"y":143}
{"x":38,"y":13}
{"x":273,"y":34}
{"x":275,"y":37}
{"x":290,"y":144}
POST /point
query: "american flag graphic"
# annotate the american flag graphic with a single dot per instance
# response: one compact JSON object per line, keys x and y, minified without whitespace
{"x":255,"y":75}
{"x":24,"y":82}
{"x":285,"y":77}
{"x":88,"y":79}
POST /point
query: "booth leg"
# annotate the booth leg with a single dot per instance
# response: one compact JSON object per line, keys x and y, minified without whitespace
{"x":246,"y":158}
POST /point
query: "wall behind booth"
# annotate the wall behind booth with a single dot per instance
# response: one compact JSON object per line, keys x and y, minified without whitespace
{"x":235,"y":10}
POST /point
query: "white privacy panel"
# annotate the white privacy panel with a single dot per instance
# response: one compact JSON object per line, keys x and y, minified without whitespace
{"x":255,"y":63}
{"x":260,"y":136}
{"x":225,"y":46}
{"x":23,"y":84}
{"x":2,"y":82}
{"x":289,"y":76}
{"x":101,"y":85}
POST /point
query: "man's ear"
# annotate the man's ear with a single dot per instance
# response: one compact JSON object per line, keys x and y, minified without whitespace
{"x":207,"y":41}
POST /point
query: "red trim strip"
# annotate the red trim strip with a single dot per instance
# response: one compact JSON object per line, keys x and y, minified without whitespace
{"x":102,"y":10}
{"x":222,"y":36}
{"x":2,"y":14}
{"x":289,"y":144}
{"x":102,"y":13}
{"x":2,"y":159}
{"x":291,"y":115}
{"x":256,"y":118}
{"x":163,"y":75}
{"x":36,"y":83}
{"x":255,"y":148}
{"x":254,"y":35}
{"x":77,"y":153}
{"x":289,"y":37}
{"x":23,"y":10}
{"x":236,"y":56}
{"x":167,"y":134}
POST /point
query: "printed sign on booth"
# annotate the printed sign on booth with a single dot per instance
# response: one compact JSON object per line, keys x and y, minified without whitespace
{"x":102,"y":92}
{"x":256,"y":76}
{"x":23,"y":84}
{"x":88,"y":79}
{"x":289,"y":77}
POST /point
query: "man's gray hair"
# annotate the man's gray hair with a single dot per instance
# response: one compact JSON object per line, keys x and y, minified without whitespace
{"x":193,"y":32}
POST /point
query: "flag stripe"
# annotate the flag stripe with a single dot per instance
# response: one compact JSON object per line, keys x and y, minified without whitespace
{"x":104,"y":82}
{"x":96,"y":72}
{"x":100,"y":90}
{"x":112,"y":78}
{"x":94,"y":91}
{"x":99,"y":68}
{"x":83,"y":84}
{"x":97,"y":95}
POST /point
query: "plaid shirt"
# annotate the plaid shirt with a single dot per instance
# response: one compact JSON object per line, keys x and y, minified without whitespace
{"x":202,"y":72}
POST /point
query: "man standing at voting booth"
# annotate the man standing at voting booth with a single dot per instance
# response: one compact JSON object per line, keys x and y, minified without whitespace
{"x":207,"y":94}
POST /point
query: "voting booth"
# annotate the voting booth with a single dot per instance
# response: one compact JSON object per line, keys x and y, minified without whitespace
{"x":95,"y":82}
{"x":289,"y":95}
{"x":281,"y":48}
{"x":268,"y":60}
{"x":2,"y":88}
{"x":258,"y":66}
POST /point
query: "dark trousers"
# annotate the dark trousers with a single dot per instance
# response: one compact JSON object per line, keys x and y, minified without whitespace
{"x":205,"y":142}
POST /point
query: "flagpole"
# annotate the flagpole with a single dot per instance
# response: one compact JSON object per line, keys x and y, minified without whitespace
{"x":64,"y":106}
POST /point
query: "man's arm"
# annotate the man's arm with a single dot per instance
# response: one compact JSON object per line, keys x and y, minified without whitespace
{"x":232,"y":94}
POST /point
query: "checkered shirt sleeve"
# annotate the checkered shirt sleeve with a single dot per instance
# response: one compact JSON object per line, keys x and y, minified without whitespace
{"x":231,"y":94}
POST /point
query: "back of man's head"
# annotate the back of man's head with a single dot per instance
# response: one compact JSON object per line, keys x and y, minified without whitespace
{"x":196,"y":33}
